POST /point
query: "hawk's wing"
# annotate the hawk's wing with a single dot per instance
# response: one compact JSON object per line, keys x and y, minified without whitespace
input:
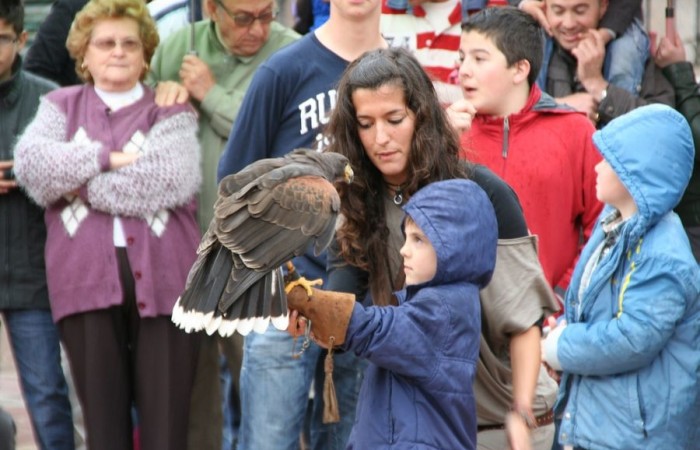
{"x":271,"y":225}
{"x":262,"y":220}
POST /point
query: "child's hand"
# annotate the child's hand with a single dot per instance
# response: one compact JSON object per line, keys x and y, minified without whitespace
{"x":536,"y":9}
{"x":582,"y":101}
{"x":297,"y":324}
{"x":548,"y":346}
{"x":460,"y":115}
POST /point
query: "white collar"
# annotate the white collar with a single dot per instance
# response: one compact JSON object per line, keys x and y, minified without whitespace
{"x":118,"y":100}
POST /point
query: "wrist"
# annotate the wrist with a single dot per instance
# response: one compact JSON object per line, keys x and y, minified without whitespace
{"x":598,"y":89}
{"x":525,"y":414}
{"x":608,"y":34}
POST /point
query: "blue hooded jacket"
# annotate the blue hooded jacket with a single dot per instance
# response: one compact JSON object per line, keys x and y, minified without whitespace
{"x":417,"y":391}
{"x":631,"y":350}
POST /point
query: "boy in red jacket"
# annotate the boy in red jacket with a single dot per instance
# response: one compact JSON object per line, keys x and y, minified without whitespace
{"x":542,"y":150}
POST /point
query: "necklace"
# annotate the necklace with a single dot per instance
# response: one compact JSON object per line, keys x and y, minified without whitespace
{"x":398,"y":193}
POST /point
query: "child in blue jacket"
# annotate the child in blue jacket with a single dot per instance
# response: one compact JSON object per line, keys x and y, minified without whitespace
{"x":417,"y":390}
{"x":630,"y":354}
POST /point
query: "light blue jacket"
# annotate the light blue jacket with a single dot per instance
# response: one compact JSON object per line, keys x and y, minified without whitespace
{"x":631,"y":351}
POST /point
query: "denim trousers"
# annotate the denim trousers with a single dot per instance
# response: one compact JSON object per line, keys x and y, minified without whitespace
{"x":624,"y":63}
{"x":275,"y":392}
{"x":37,"y":353}
{"x":626,"y":57}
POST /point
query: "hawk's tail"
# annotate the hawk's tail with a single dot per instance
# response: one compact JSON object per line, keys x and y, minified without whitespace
{"x":198,"y":304}
{"x":264,"y":302}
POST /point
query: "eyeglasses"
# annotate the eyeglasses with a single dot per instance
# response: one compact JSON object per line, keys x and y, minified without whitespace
{"x":7,"y":40}
{"x":108,"y":45}
{"x":245,"y":19}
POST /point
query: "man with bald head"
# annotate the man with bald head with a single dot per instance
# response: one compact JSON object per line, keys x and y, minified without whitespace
{"x":238,"y":36}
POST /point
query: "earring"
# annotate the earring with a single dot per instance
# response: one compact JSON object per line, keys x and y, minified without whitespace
{"x":83,"y":66}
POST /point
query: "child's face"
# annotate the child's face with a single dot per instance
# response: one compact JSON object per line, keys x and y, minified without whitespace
{"x":571,"y":19}
{"x":10,"y":45}
{"x":609,"y":188}
{"x":419,"y":257}
{"x":486,"y":80}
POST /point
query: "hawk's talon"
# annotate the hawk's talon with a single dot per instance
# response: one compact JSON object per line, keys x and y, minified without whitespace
{"x":303,"y":282}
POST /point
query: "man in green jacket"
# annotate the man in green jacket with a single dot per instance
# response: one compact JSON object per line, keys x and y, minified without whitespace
{"x":214,"y":71}
{"x":238,"y":37}
{"x":670,"y":55}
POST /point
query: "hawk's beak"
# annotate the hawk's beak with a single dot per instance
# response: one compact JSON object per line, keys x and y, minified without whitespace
{"x":349,"y":174}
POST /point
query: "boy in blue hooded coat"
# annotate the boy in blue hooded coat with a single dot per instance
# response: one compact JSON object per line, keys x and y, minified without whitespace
{"x":630,"y":354}
{"x":417,"y":391}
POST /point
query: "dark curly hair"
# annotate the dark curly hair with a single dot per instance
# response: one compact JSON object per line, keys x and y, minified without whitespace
{"x":363,"y":234}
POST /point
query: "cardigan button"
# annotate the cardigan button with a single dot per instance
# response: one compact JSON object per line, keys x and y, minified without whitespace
{"x":137,"y":275}
{"x":130,"y":240}
{"x":142,"y":305}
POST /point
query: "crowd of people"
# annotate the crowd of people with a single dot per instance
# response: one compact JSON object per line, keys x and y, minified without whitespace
{"x":515,"y":264}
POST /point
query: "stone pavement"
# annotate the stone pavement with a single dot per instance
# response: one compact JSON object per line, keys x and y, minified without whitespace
{"x":11,"y":396}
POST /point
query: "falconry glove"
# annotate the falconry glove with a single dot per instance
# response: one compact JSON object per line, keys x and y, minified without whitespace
{"x":328,"y":311}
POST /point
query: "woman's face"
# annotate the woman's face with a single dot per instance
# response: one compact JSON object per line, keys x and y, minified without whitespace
{"x":385,"y":126}
{"x":114,"y":55}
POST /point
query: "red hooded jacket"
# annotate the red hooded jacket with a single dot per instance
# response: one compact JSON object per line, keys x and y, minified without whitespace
{"x":545,"y":153}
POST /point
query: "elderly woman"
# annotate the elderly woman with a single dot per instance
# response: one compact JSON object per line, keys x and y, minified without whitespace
{"x":118,"y":177}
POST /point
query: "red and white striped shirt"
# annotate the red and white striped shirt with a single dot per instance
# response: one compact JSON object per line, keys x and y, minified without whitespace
{"x":431,"y":33}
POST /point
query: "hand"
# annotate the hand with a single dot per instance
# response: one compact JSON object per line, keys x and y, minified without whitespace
{"x":169,"y":93}
{"x":117,"y":160}
{"x":518,"y":432}
{"x":196,"y":77}
{"x":552,"y":325}
{"x":297,"y":324}
{"x":328,"y":311}
{"x":6,"y":184}
{"x":582,"y":101}
{"x":460,"y":115}
{"x":670,"y":51}
{"x":590,"y":53}
{"x":536,"y":9}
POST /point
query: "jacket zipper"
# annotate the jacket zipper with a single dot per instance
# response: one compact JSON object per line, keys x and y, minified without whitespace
{"x":506,"y":132}
{"x":6,"y":245}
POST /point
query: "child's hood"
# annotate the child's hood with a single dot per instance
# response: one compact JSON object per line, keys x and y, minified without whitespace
{"x":458,"y":219}
{"x":651,"y":151}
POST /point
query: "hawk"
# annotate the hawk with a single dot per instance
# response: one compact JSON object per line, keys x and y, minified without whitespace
{"x":268,"y":213}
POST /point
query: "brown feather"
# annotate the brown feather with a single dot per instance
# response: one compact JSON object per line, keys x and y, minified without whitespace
{"x":267,"y":214}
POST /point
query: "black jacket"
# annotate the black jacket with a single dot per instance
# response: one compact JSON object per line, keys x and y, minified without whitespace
{"x":682,"y":77}
{"x":48,"y":56}
{"x":22,"y":230}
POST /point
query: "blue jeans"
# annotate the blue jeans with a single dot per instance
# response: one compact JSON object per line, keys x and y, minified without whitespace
{"x":231,"y":417}
{"x":37,"y":352}
{"x":626,"y":57}
{"x":275,"y":392}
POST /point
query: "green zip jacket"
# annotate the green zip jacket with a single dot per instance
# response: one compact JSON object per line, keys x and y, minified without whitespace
{"x":682,"y":77}
{"x":220,"y":107}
